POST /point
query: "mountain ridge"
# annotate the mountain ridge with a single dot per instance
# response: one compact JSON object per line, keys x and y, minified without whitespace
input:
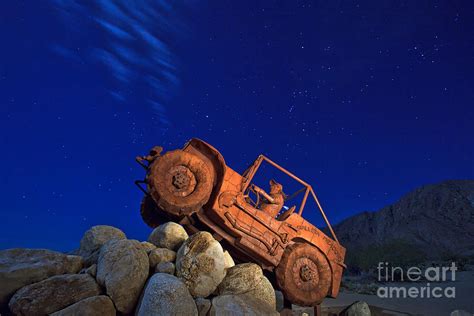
{"x":437,"y":218}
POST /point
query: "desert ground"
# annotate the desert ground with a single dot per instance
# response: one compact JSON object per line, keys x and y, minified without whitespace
{"x":464,"y":300}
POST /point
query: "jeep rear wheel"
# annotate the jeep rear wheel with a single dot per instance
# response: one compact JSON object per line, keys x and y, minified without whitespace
{"x":303,"y":275}
{"x":151,"y":214}
{"x":180,"y":182}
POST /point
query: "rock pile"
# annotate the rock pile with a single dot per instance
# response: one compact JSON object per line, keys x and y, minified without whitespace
{"x":170,"y":274}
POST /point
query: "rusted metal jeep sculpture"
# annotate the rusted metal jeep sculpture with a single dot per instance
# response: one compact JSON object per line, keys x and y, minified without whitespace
{"x":195,"y":187}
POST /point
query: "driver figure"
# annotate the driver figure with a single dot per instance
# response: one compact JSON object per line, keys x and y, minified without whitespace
{"x":275,"y":200}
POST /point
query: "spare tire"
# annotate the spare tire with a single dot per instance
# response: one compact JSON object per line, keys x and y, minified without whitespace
{"x":180,"y":182}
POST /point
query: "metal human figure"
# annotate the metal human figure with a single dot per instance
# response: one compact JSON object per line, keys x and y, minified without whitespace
{"x":274,"y":201}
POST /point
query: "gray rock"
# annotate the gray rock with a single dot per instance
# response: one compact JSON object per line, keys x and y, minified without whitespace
{"x":20,"y":267}
{"x":203,"y":306}
{"x":358,"y":308}
{"x":280,"y":301}
{"x":92,"y":270}
{"x":94,"y":239}
{"x":161,"y":255}
{"x":231,"y":305}
{"x":53,"y":294}
{"x":166,"y":295}
{"x":248,"y":279}
{"x":123,"y":269}
{"x":200,"y":264}
{"x":100,"y":305}
{"x":165,"y":267}
{"x":460,"y":312}
{"x":169,"y":235}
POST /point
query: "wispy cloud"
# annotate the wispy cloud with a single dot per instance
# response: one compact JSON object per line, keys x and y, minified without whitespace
{"x":132,"y":46}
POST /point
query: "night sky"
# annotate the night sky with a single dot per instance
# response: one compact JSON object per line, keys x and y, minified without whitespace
{"x":364,"y":100}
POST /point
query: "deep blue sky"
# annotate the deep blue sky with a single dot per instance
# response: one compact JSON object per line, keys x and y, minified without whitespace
{"x":365,"y":100}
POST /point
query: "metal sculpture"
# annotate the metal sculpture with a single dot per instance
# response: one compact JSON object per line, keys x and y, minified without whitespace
{"x":194,"y":186}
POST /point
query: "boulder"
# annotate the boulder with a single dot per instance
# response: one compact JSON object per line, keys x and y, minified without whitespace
{"x":91,"y":270}
{"x":53,"y":294}
{"x":94,"y":239}
{"x":147,"y":246}
{"x":122,"y":269}
{"x":247,"y":279}
{"x":161,"y":255}
{"x":20,"y":267}
{"x":239,"y":305}
{"x":165,"y":267}
{"x":358,"y":308}
{"x":228,"y":261}
{"x":200,"y":264}
{"x":169,"y":235}
{"x":165,"y":294}
{"x":100,"y":305}
{"x":203,"y":306}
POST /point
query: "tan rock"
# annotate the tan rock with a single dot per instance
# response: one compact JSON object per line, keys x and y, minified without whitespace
{"x":165,"y":267}
{"x":239,"y":305}
{"x":147,"y":246}
{"x":159,"y":255}
{"x":169,"y":235}
{"x":248,"y":279}
{"x":94,"y":239}
{"x":200,"y":264}
{"x":166,"y":295}
{"x":229,"y":262}
{"x":122,"y":269}
{"x":20,"y":267}
{"x":100,"y":305}
{"x":53,"y":294}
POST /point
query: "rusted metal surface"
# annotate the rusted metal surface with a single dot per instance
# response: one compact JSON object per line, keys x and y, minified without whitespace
{"x":195,"y":187}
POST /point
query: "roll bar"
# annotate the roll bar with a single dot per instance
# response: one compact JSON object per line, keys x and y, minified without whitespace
{"x":250,"y":173}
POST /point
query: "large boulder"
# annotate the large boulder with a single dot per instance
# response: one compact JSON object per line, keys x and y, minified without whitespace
{"x":169,"y":235}
{"x":239,"y":305}
{"x":53,"y":294}
{"x":358,"y":308}
{"x":122,"y":269}
{"x":100,"y":305}
{"x":200,"y":264}
{"x":20,"y":267}
{"x":94,"y":239}
{"x":166,"y":295}
{"x":247,"y":279}
{"x":159,"y":255}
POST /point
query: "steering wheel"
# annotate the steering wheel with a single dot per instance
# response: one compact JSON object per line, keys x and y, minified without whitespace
{"x":252,"y":189}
